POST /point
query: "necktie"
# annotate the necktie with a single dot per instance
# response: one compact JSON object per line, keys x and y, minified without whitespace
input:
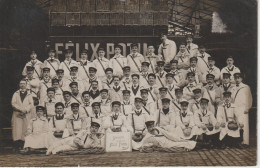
{"x":96,"y":116}
{"x":50,"y":100}
{"x":151,"y":88}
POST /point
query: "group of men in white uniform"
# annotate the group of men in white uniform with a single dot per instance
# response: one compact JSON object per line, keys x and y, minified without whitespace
{"x":165,"y":100}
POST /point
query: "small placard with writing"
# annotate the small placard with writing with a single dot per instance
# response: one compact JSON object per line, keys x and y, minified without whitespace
{"x":118,"y":142}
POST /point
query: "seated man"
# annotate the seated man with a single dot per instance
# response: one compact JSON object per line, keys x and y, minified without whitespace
{"x":75,"y":122}
{"x":117,"y":119}
{"x":105,"y":102}
{"x":227,"y":117}
{"x":85,"y":139}
{"x":160,"y":138}
{"x":187,"y":90}
{"x":136,"y":122}
{"x":183,"y":57}
{"x":49,"y":102}
{"x":115,"y":92}
{"x":206,"y":122}
{"x":127,"y":105}
{"x":57,"y":123}
{"x":148,"y":103}
{"x":165,"y":117}
{"x":185,"y":126}
{"x":108,"y":80}
{"x":37,"y":132}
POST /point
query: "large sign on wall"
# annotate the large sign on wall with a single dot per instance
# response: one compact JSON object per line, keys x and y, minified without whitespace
{"x":93,"y":43}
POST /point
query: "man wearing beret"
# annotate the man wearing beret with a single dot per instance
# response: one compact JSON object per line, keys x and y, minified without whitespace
{"x":126,"y":80}
{"x":105,"y":102}
{"x":242,"y":98}
{"x":165,"y":117}
{"x":228,"y":120}
{"x":34,"y":62}
{"x":190,"y":46}
{"x":136,"y":121}
{"x":58,"y":90}
{"x":52,"y":63}
{"x":84,"y":65}
{"x":153,"y":88}
{"x":135,"y":59}
{"x":85,"y":139}
{"x":126,"y":104}
{"x":68,"y":63}
{"x":61,"y":78}
{"x":185,"y":126}
{"x":75,"y":122}
{"x":226,"y":84}
{"x":171,"y":85}
{"x":211,"y":92}
{"x":183,"y":57}
{"x":178,"y":74}
{"x":158,"y":137}
{"x":194,"y":68}
{"x":33,"y":84}
{"x":194,"y":103}
{"x":230,"y":68}
{"x":45,"y":83}
{"x":57,"y":123}
{"x":37,"y":131}
{"x":177,"y":101}
{"x":108,"y":80}
{"x":206,"y":122}
{"x":167,"y":48}
{"x":118,"y":62}
{"x":160,"y":75}
{"x":101,"y":63}
{"x":148,"y":103}
{"x":74,"y":77}
{"x":75,"y":93}
{"x":202,"y":59}
{"x":118,"y":121}
{"x":187,"y":90}
{"x":144,"y":73}
{"x":212,"y":69}
{"x":152,"y":58}
{"x":93,"y":77}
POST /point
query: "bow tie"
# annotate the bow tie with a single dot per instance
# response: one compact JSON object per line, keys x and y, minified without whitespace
{"x":138,"y":112}
{"x":115,"y":116}
{"x":210,"y":87}
{"x":184,"y":114}
{"x":228,"y":105}
{"x":52,"y":59}
{"x":237,"y":85}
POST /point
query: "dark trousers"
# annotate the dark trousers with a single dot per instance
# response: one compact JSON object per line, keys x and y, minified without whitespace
{"x":18,"y":144}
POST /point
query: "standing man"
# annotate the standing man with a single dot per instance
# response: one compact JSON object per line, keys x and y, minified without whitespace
{"x":68,"y":63}
{"x":152,"y":58}
{"x":242,"y":98}
{"x":203,"y":59}
{"x":101,"y":64}
{"x":84,"y":65}
{"x":21,"y":103}
{"x":167,"y":48}
{"x":118,"y":62}
{"x":230,"y":68}
{"x":191,"y":47}
{"x":135,"y":59}
{"x":52,"y":63}
{"x":34,"y":62}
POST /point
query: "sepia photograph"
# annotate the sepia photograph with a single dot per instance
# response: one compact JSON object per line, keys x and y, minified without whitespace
{"x":128,"y":83}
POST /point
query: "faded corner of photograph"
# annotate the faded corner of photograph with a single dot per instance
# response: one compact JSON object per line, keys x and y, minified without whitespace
{"x":125,"y":83}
